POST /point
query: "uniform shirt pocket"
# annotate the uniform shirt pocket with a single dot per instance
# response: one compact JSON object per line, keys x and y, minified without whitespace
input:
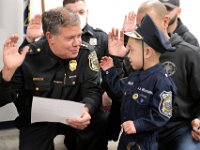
{"x":142,"y":99}
{"x":40,"y":88}
{"x":142,"y":105}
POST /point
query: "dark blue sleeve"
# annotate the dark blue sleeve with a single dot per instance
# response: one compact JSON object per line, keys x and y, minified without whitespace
{"x":112,"y":83}
{"x":6,"y":93}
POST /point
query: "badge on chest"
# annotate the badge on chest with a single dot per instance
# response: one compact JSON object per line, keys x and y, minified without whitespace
{"x":72,"y":65}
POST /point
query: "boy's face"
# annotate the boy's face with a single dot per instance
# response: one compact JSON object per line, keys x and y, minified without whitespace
{"x":135,"y":53}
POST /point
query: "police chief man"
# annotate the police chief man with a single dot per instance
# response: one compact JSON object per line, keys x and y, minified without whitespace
{"x":59,"y":67}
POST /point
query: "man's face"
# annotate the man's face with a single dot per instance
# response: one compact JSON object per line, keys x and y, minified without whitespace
{"x":79,"y":7}
{"x":173,"y":13}
{"x":66,"y":44}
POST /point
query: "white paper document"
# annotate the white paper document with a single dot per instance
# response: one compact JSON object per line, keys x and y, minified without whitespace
{"x":8,"y":112}
{"x":54,"y":110}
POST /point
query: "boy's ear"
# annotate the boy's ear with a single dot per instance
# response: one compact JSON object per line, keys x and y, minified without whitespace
{"x":148,"y":52}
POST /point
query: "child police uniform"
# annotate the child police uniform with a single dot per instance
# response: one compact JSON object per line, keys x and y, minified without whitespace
{"x":147,"y":95}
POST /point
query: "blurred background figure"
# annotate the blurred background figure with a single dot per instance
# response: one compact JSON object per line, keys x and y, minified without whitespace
{"x":175,"y":24}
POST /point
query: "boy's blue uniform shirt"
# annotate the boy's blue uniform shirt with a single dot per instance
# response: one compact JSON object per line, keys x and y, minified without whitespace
{"x":147,"y":97}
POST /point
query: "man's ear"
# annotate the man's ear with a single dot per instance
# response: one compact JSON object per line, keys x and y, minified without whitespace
{"x":179,"y":11}
{"x":49,"y":37}
{"x":166,"y":21}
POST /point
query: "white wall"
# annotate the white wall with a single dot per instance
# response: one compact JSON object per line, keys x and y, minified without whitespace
{"x":190,"y":15}
{"x":11,"y":22}
{"x":106,"y":14}
{"x":103,"y":14}
{"x":110,"y":13}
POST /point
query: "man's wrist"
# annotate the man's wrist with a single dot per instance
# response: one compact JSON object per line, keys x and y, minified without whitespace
{"x":7,"y":74}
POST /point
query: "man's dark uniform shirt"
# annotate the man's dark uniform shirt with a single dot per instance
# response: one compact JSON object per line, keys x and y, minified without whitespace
{"x":97,"y":38}
{"x":46,"y":75}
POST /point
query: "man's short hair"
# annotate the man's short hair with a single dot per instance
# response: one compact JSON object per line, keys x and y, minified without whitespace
{"x":54,"y":19}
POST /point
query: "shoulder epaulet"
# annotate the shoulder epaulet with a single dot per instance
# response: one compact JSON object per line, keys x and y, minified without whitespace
{"x":85,"y":45}
{"x":92,"y":57}
{"x":34,"y":49}
{"x":98,"y":29}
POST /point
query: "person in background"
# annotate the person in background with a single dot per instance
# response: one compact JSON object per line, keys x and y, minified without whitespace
{"x":57,"y":66}
{"x":147,"y":93}
{"x":94,"y":36}
{"x":175,"y":23}
{"x":182,"y":132}
{"x":99,"y":39}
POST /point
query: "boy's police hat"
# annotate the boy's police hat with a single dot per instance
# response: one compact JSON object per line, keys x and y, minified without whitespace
{"x":171,"y":3}
{"x":150,"y":34}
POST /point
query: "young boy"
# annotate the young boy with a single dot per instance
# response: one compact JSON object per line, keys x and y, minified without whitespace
{"x":147,"y":93}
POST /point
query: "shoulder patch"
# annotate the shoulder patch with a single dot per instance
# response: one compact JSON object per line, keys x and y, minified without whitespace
{"x":93,"y":61}
{"x":165,"y":107}
{"x":92,"y":57}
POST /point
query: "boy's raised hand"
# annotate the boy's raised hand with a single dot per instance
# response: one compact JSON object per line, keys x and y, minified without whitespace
{"x":116,"y":43}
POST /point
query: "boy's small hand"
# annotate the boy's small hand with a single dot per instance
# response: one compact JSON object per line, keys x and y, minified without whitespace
{"x":128,"y":127}
{"x":106,"y":63}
